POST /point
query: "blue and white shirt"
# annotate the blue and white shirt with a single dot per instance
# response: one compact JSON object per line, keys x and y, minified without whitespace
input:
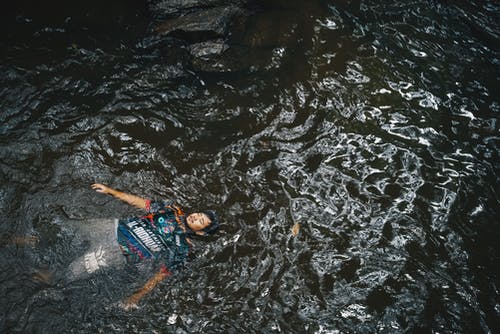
{"x":159,"y":235}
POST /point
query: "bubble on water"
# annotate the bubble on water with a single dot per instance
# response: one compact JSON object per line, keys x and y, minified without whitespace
{"x":384,"y":91}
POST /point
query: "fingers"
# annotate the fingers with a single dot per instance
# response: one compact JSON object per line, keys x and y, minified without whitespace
{"x":101,"y":188}
{"x":132,"y":301}
{"x":128,"y":306}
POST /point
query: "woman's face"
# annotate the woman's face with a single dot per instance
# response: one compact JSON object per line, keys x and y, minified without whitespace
{"x":198,"y":221}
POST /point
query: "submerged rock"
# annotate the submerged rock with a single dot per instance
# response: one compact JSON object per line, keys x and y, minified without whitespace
{"x":213,"y":22}
{"x":209,"y":57}
{"x":204,"y":27}
{"x":208,"y":48}
{"x":169,"y":7}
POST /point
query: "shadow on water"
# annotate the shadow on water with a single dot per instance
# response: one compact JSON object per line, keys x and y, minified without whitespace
{"x":351,"y":149}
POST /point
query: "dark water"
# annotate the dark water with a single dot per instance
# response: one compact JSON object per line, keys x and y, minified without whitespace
{"x":372,"y":124}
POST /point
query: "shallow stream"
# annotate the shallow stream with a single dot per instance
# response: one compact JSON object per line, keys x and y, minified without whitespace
{"x":373,"y":125}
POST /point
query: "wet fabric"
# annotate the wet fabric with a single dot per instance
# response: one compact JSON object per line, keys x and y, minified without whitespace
{"x":159,"y":235}
{"x":101,"y":249}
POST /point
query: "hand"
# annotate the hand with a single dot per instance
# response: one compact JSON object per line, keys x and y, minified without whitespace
{"x":128,"y":306}
{"x":100,"y":188}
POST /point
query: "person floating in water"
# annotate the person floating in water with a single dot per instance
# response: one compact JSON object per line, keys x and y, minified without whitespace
{"x":162,"y":235}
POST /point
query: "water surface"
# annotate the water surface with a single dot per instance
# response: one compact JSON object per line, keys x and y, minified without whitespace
{"x":372,"y":124}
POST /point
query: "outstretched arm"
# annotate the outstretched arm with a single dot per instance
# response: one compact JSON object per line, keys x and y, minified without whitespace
{"x":133,"y":200}
{"x":133,"y":300}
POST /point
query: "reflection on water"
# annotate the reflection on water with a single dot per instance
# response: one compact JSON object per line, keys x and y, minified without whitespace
{"x":351,"y":149}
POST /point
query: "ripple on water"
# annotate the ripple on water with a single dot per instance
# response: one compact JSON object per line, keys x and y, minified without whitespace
{"x":373,"y":126}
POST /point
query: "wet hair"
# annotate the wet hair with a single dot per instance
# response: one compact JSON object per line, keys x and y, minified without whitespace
{"x":214,"y":223}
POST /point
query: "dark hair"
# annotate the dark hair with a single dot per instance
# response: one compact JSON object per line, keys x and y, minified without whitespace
{"x":214,"y":223}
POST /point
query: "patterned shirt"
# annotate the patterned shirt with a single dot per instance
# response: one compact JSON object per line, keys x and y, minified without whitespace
{"x":159,"y":235}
